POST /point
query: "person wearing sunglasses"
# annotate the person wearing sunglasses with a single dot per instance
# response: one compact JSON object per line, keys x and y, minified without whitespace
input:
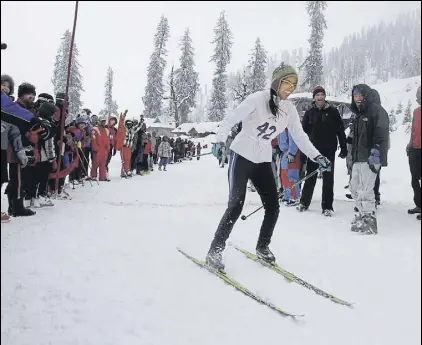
{"x":264,"y":115}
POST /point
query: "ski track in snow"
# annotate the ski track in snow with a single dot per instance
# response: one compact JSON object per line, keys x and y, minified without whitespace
{"x":103,"y":269}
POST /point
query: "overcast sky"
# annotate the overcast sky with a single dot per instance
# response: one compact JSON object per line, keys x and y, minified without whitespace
{"x":120,"y":35}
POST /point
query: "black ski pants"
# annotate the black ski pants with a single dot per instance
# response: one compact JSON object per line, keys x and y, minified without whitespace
{"x":415,"y":171}
{"x":43,"y":171}
{"x":327,"y":185}
{"x":261,"y":175}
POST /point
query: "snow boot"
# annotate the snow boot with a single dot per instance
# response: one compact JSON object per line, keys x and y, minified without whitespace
{"x":302,"y":208}
{"x":328,"y":213}
{"x":290,"y":203}
{"x":34,"y":203}
{"x":265,"y":254}
{"x":159,"y":169}
{"x":19,"y":210}
{"x":214,"y":259}
{"x":415,"y":210}
{"x":370,"y":226}
{"x":5,"y":218}
{"x":45,"y":201}
{"x":357,"y":222}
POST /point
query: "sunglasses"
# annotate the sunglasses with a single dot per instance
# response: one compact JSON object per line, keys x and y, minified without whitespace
{"x":291,"y":86}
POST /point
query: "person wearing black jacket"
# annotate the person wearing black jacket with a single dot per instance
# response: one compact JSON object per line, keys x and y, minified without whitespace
{"x":369,"y":154}
{"x":325,"y":128}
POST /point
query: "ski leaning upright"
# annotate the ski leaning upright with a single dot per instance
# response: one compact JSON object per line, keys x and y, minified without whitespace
{"x":223,"y":276}
{"x":290,"y":276}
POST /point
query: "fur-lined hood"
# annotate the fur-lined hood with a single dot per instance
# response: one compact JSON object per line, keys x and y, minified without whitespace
{"x":7,"y":78}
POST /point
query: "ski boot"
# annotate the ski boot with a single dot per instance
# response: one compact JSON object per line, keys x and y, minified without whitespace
{"x":265,"y":254}
{"x":328,"y":213}
{"x":415,"y":210}
{"x":214,"y":260}
{"x":418,"y":217}
{"x":370,"y":226}
{"x":301,"y":207}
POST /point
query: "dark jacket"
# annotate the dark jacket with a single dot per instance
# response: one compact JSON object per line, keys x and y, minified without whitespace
{"x":325,"y":128}
{"x":370,"y":127}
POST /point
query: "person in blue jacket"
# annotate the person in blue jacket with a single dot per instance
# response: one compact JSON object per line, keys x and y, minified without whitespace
{"x":290,"y":168}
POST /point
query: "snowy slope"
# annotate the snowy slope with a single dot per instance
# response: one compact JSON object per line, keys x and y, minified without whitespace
{"x":103,"y":268}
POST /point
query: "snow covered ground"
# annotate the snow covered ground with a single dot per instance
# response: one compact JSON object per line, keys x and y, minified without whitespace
{"x":103,"y":268}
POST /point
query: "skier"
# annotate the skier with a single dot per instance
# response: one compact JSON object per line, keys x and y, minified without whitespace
{"x":264,"y":115}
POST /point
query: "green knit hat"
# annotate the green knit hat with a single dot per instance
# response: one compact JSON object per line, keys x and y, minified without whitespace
{"x":281,"y":72}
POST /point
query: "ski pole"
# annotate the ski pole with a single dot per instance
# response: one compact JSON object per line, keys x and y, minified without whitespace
{"x":83,"y":166}
{"x":282,"y":194}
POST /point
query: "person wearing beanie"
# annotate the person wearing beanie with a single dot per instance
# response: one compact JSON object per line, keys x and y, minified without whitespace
{"x":324,"y":126}
{"x":26,"y":96}
{"x":414,"y":154}
{"x":264,"y":115}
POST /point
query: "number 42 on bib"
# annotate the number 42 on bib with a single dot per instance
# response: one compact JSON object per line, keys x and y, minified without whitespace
{"x":266,"y":131}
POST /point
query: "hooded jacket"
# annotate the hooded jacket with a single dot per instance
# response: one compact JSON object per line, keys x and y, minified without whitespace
{"x":370,"y":127}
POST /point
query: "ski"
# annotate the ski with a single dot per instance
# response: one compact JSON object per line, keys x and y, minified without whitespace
{"x":239,"y":287}
{"x":291,"y":277}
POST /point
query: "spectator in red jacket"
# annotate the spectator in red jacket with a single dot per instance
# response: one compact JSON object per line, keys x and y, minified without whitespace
{"x":414,"y":153}
{"x":100,"y":147}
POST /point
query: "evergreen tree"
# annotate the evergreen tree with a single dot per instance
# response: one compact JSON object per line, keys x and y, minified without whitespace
{"x":240,"y":87}
{"x":399,"y":108}
{"x":407,"y":119}
{"x":257,"y":67}
{"x":110,"y":106}
{"x":154,"y":90}
{"x":186,"y":79}
{"x":393,"y":120}
{"x":222,"y":55}
{"x":314,"y":72}
{"x":172,"y":109}
{"x":60,"y":74}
